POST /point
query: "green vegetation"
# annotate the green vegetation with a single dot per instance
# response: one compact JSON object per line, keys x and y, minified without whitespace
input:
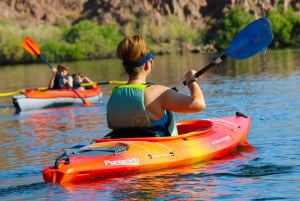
{"x":88,"y":40}
{"x":92,"y":41}
{"x":85,"y":40}
{"x":10,"y":43}
{"x":232,"y":23}
{"x":286,"y":27}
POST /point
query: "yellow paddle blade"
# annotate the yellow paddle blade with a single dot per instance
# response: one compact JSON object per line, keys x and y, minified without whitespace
{"x":85,"y":102}
{"x":88,"y":84}
{"x":12,"y":93}
{"x":42,"y":88}
{"x":117,"y":82}
{"x":103,"y":83}
{"x":31,"y":46}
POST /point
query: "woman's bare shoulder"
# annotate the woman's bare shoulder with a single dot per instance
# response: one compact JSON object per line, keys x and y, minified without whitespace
{"x":158,"y":88}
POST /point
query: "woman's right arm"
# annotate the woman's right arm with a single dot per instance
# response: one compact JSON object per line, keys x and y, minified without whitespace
{"x":178,"y":102}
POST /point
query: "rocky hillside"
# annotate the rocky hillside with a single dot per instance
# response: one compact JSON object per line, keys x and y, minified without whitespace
{"x":197,"y":13}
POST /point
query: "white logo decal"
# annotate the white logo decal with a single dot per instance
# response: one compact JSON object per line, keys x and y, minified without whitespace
{"x":128,"y":161}
{"x":226,"y":138}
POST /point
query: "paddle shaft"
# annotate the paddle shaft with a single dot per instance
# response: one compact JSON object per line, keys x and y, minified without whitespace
{"x":104,"y":83}
{"x":46,"y":61}
{"x":214,"y":62}
{"x":111,"y":82}
{"x":208,"y":67}
{"x":211,"y":65}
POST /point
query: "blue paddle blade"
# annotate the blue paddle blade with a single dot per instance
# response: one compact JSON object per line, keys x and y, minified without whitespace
{"x":254,"y":38}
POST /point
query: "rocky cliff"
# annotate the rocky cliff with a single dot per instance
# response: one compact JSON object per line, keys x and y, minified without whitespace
{"x":197,"y":13}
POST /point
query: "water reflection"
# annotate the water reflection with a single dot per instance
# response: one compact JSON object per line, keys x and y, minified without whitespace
{"x":42,"y":133}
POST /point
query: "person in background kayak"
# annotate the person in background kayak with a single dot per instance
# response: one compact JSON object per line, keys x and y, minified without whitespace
{"x":60,"y":78}
{"x":145,"y":105}
{"x":78,"y":79}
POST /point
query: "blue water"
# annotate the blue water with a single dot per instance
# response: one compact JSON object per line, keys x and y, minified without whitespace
{"x":267,"y":169}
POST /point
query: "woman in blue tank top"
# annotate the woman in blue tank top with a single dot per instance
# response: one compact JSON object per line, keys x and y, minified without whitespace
{"x":139,"y":104}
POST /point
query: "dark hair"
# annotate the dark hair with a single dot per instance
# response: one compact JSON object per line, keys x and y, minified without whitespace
{"x":62,"y":67}
{"x":77,"y":74}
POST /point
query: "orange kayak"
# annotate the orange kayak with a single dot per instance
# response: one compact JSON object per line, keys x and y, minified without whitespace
{"x":33,"y":99}
{"x":198,"y":140}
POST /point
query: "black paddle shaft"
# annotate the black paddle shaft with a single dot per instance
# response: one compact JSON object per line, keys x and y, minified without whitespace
{"x":214,"y":62}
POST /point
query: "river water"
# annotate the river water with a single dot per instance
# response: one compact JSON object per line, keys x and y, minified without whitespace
{"x":265,"y":87}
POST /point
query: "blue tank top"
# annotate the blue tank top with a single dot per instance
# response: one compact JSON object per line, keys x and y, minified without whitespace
{"x":163,"y":122}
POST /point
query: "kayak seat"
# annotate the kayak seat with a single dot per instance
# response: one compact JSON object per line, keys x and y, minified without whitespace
{"x":131,"y":132}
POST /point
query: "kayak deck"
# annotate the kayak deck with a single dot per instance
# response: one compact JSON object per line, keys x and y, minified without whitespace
{"x":198,"y":140}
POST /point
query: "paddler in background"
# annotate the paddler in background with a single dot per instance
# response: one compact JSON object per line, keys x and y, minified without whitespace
{"x":60,"y":78}
{"x":142,"y":104}
{"x":78,"y":79}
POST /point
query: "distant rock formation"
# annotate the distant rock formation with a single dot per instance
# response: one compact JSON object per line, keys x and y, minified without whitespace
{"x":196,"y":13}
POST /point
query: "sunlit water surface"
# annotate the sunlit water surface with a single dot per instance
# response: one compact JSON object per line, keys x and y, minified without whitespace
{"x":265,"y":87}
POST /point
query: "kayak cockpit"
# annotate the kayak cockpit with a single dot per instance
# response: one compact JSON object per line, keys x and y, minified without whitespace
{"x":183,"y":127}
{"x":188,"y":126}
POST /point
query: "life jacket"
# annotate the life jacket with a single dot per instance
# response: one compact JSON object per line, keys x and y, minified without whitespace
{"x":126,"y":109}
{"x":76,"y":84}
{"x":59,"y":82}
